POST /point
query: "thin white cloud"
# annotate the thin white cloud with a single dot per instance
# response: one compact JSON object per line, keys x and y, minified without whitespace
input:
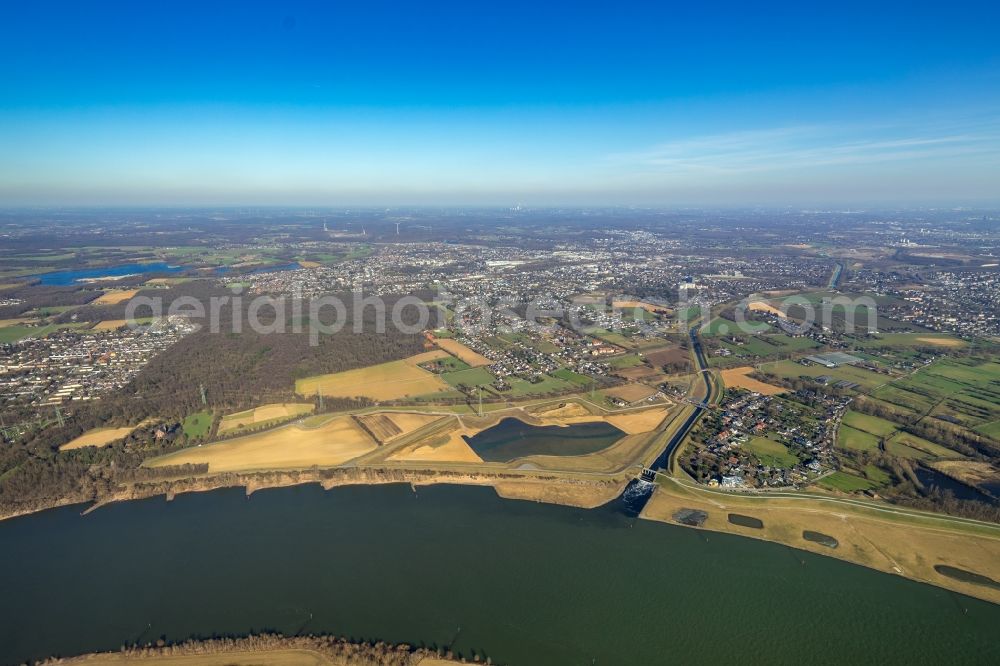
{"x":805,"y":147}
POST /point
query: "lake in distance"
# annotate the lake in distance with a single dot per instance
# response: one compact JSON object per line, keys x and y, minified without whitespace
{"x":521,"y":582}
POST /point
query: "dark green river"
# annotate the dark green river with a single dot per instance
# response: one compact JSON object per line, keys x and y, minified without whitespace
{"x":521,"y":582}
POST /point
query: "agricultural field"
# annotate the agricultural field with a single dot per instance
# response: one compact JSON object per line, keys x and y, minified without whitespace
{"x":667,"y":355}
{"x":990,"y":430}
{"x":97,"y":437}
{"x":772,"y":453}
{"x":263,"y":415}
{"x":858,"y":440}
{"x":764,"y":346}
{"x":16,"y":332}
{"x":384,"y":426}
{"x":611,"y":337}
{"x":624,"y":361}
{"x":922,"y":339}
{"x":791,"y":369}
{"x":547,"y":384}
{"x":115,"y":297}
{"x":739,"y":378}
{"x":386,"y":381}
{"x":457,"y":349}
{"x":442,"y":365}
{"x":963,"y":392}
{"x":470,"y":377}
{"x":290,"y":447}
{"x":631,"y":392}
{"x":720,"y":326}
{"x":870,"y":424}
{"x":572,"y":377}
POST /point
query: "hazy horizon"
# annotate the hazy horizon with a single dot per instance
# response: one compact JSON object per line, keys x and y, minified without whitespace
{"x":571,"y":104}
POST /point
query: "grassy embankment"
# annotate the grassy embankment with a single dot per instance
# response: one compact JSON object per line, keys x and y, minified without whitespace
{"x":909,"y":543}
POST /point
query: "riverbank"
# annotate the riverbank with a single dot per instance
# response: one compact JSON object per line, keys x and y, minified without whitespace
{"x":909,"y":544}
{"x":267,"y":650}
{"x":566,"y":489}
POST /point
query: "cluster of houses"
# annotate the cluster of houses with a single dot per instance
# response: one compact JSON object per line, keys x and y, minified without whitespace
{"x":725,"y":457}
{"x":71,"y":366}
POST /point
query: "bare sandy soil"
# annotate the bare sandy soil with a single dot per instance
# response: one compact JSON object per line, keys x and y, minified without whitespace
{"x":115,"y":297}
{"x":262,"y":414}
{"x":385,"y":381}
{"x":109,"y":325}
{"x":449,"y":447}
{"x":456,"y":348}
{"x":290,"y":447}
{"x":631,"y":392}
{"x":97,"y":437}
{"x":763,"y":306}
{"x":738,"y":378}
{"x":638,"y":422}
{"x":943,"y":342}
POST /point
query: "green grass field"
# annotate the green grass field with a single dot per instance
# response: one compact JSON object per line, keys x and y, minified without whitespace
{"x":859,"y":440}
{"x":610,"y":337}
{"x":990,"y":430}
{"x":772,"y":453}
{"x":938,"y":340}
{"x":864,"y":378}
{"x":906,"y":445}
{"x":876,"y":475}
{"x":720,"y":326}
{"x":198,"y":424}
{"x":572,"y":377}
{"x":848,"y":483}
{"x":450,"y":364}
{"x":470,"y":377}
{"x":624,"y":361}
{"x":549,"y":384}
{"x":869,"y":424}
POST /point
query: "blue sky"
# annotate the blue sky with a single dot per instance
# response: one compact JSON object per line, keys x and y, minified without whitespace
{"x":473,"y":103}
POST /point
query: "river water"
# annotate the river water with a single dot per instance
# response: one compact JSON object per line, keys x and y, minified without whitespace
{"x":522,"y":582}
